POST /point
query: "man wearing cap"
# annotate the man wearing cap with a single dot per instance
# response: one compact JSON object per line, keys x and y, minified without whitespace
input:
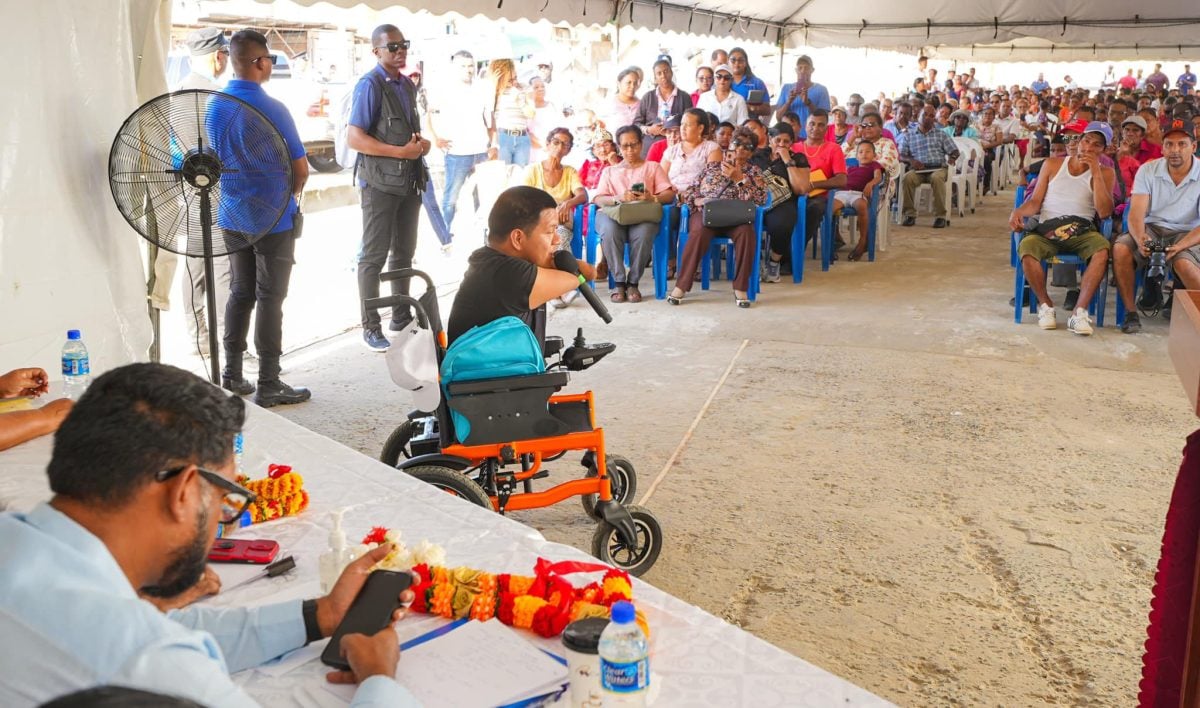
{"x":385,"y":129}
{"x":261,"y":273}
{"x":723,"y":101}
{"x":960,"y":126}
{"x":802,"y":96}
{"x":1070,"y":194}
{"x":1165,"y":207}
{"x":209,"y":54}
{"x":1134,"y":143}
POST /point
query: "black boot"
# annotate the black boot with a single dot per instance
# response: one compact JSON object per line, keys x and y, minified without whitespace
{"x":276,"y":393}
{"x":231,"y":377}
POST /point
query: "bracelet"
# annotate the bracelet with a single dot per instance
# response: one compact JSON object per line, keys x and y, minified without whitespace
{"x":312,"y":630}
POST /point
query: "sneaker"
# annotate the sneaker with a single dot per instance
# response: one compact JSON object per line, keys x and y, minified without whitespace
{"x":772,"y":271}
{"x":569,"y":297}
{"x":1046,"y":319}
{"x":401,"y":325}
{"x":374,"y":340}
{"x":1132,"y":324}
{"x":557,"y":303}
{"x":1080,"y":323}
{"x":275,"y":393}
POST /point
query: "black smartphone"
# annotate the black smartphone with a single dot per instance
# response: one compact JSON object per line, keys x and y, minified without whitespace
{"x":371,"y":611}
{"x":640,"y":187}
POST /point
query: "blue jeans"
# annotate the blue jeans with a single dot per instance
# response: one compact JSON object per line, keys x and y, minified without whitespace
{"x":440,"y":226}
{"x":458,"y":169}
{"x":514,"y":150}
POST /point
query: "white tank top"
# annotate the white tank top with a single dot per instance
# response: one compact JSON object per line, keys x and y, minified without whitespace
{"x":1068,"y":195}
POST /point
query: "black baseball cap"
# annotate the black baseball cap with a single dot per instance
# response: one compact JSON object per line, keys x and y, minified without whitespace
{"x":1180,"y":125}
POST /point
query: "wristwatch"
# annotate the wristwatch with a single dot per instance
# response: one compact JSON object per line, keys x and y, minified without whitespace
{"x":312,"y":630}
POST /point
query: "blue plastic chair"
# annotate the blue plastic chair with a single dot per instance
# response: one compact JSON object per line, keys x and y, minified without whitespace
{"x":1012,"y":255}
{"x":1097,"y":304}
{"x":588,"y":246}
{"x":714,"y":254}
{"x":828,"y":222}
{"x":798,"y":235}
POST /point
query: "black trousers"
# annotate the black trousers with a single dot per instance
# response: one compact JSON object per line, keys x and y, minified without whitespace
{"x":389,"y":227}
{"x":259,"y":279}
{"x":813,"y":217}
{"x":779,"y":223}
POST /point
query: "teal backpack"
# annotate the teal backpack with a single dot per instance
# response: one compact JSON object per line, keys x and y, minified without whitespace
{"x":500,"y":348}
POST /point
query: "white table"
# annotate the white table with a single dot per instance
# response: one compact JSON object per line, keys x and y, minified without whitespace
{"x":696,"y":658}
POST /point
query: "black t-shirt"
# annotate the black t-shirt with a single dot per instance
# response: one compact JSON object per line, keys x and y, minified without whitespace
{"x":495,"y":285}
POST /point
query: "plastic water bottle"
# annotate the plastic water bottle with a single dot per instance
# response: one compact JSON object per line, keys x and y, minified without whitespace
{"x":238,"y":450}
{"x":624,"y":665}
{"x":76,"y":369}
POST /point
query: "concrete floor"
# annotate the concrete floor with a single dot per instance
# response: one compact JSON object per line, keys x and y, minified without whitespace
{"x":894,"y":481}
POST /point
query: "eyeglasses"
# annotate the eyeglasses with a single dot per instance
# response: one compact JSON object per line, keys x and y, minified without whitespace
{"x":1072,"y":138}
{"x":557,"y":141}
{"x":743,"y":145}
{"x":235,"y":500}
{"x":273,"y":58}
{"x":631,"y":146}
{"x":724,"y":77}
{"x":868,"y":125}
{"x":394,"y":47}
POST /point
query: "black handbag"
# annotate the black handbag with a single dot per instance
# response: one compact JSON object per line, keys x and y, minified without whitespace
{"x":727,"y":213}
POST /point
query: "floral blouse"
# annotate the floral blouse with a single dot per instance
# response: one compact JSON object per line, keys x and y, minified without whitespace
{"x":713,"y":184}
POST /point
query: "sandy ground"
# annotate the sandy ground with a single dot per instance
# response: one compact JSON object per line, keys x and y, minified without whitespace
{"x":895,"y":481}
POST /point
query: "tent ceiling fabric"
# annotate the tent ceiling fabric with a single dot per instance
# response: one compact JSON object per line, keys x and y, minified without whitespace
{"x":906,"y":25}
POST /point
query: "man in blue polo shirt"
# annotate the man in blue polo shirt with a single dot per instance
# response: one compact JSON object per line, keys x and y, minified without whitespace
{"x":1186,"y":81}
{"x":802,"y":96}
{"x":385,"y":129}
{"x":261,"y":273}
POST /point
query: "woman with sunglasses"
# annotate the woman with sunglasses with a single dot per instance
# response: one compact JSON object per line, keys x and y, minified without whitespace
{"x":511,"y":111}
{"x":735,"y":177}
{"x":727,"y":104}
{"x":704,"y":83}
{"x":632,"y":180}
{"x":777,"y":158}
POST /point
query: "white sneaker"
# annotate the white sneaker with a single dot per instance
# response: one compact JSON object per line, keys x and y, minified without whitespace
{"x":1046,"y":318}
{"x":569,"y":297}
{"x":772,"y":275}
{"x":1080,"y":323}
{"x":557,"y":303}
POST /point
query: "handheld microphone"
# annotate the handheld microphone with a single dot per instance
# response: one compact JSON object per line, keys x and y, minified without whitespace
{"x":565,"y":261}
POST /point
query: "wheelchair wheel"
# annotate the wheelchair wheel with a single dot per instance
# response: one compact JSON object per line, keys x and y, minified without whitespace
{"x":609,"y":548}
{"x":396,"y":447}
{"x":452,"y":482}
{"x":623,"y":480}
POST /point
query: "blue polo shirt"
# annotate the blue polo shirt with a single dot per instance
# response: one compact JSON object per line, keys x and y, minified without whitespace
{"x":750,"y":83}
{"x":1039,"y":86}
{"x":818,"y":95}
{"x":365,"y":104}
{"x":242,"y":190}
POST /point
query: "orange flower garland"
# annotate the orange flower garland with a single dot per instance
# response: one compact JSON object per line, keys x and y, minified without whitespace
{"x":280,"y":493}
{"x":544,"y":603}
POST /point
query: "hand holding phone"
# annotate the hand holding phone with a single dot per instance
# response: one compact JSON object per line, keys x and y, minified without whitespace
{"x":371,"y":612}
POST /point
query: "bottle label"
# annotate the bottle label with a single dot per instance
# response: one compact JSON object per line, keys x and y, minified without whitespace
{"x":625,"y":677}
{"x":75,"y":367}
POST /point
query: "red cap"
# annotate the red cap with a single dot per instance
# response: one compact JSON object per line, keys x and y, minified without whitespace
{"x":1075,"y":126}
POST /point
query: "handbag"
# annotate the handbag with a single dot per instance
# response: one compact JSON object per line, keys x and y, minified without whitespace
{"x":630,"y":213}
{"x":778,"y":188}
{"x":726,"y":213}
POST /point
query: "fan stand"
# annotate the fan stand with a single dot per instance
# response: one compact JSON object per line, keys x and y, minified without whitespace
{"x":202,"y":170}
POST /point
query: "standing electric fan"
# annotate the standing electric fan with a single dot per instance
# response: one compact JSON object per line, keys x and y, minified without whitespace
{"x":180,"y":155}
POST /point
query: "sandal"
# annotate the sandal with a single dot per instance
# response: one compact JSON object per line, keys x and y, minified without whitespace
{"x":857,"y":254}
{"x":632,"y":294}
{"x":617,"y":295}
{"x":674,"y":299}
{"x":741,"y":302}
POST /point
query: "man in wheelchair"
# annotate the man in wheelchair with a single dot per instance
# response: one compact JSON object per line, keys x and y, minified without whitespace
{"x":514,"y":273}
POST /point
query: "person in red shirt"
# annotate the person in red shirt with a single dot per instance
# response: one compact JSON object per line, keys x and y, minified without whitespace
{"x":1134,"y":143}
{"x":671,"y":130}
{"x":604,"y":153}
{"x":824,"y":156}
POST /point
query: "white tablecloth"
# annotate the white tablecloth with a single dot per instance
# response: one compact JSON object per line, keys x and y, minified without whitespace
{"x":696,"y":658}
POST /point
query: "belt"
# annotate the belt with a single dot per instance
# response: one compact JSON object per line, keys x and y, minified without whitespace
{"x":514,"y":133}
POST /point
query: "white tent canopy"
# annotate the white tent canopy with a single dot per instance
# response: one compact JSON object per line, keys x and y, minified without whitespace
{"x":1069,"y":30}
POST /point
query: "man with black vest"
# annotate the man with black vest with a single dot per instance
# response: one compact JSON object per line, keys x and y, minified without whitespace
{"x":384,"y":128}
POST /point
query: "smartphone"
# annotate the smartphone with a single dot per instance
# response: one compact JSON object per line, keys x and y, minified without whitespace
{"x":243,"y":550}
{"x":371,"y":611}
{"x":640,"y":187}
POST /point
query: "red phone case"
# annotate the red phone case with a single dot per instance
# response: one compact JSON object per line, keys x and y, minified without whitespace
{"x":243,"y":550}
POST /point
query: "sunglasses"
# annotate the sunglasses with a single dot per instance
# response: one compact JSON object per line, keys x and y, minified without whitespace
{"x":631,"y":146}
{"x":743,"y":145}
{"x":868,"y":125}
{"x":273,"y":58}
{"x":394,"y":47}
{"x":724,"y":77}
{"x":235,"y":498}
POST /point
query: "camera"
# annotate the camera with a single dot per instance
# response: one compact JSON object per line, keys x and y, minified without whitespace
{"x":1151,"y":300}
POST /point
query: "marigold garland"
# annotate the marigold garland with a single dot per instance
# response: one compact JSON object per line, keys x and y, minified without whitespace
{"x":280,"y":493}
{"x":544,"y":603}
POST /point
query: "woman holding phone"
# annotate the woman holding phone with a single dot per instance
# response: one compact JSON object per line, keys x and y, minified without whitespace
{"x":734,"y":177}
{"x":631,"y":180}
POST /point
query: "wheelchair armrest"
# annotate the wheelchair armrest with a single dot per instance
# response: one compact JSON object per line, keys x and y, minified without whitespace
{"x":552,"y":379}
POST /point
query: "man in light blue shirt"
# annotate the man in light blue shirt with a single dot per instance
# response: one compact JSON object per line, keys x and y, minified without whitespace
{"x":802,"y":96}
{"x":142,"y":472}
{"x":1164,"y":207}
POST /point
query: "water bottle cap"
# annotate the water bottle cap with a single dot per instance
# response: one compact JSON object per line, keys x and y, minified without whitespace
{"x":622,"y":612}
{"x":73,"y":334}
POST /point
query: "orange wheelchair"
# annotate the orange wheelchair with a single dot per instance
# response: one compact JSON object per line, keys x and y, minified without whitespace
{"x":518,"y":426}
